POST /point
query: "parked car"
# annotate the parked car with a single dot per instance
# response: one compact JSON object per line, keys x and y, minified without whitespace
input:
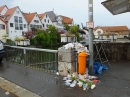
{"x":1,"y":51}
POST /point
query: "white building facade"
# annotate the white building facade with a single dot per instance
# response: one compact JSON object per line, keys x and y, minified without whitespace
{"x":59,"y":25}
{"x":4,"y":10}
{"x":17,"y":24}
{"x":46,"y":21}
{"x":2,"y":29}
{"x":35,"y":23}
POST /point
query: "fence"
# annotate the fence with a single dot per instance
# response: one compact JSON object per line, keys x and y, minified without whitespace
{"x":42,"y":59}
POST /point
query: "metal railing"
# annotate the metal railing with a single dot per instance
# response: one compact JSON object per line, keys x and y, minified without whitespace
{"x":41,"y":59}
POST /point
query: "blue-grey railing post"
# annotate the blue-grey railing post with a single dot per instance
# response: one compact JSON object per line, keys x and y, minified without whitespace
{"x":25,"y":62}
{"x":56,"y":66}
{"x":7,"y":57}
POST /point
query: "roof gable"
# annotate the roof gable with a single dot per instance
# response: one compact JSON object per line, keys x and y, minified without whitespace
{"x":29,"y":16}
{"x":41,"y":16}
{"x":9,"y":13}
{"x":2,"y":7}
{"x":52,"y":16}
{"x":67,"y":20}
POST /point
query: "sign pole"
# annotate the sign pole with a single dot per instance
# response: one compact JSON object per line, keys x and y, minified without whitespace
{"x":90,"y":13}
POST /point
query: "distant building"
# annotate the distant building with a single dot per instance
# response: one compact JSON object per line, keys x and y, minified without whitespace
{"x":3,"y":10}
{"x":67,"y":20}
{"x":56,"y":20}
{"x":2,"y":29}
{"x":33,"y":21}
{"x":15,"y":22}
{"x":45,"y":19}
{"x":110,"y":30}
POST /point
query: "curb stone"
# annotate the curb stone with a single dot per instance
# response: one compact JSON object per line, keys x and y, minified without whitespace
{"x":15,"y":89}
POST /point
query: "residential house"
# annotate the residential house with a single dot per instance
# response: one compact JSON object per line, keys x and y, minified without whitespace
{"x":67,"y":20}
{"x":121,"y":31}
{"x":45,"y":19}
{"x":15,"y":22}
{"x":2,"y":29}
{"x":56,"y":20}
{"x":33,"y":21}
{"x":3,"y":10}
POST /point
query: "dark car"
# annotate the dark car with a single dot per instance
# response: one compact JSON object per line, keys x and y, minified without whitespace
{"x":1,"y":51}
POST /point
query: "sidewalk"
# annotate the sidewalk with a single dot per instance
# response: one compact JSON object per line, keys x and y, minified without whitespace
{"x":115,"y":82}
{"x":15,"y":89}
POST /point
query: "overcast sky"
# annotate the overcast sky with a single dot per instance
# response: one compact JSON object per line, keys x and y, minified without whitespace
{"x":76,"y":9}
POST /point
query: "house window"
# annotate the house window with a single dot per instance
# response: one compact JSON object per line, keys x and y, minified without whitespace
{"x":2,"y":26}
{"x":31,"y":25}
{"x":36,"y":21}
{"x":20,"y":20}
{"x":43,"y":25}
{"x":48,"y":21}
{"x":21,"y":26}
{"x":16,"y":26}
{"x":46,"y":15}
{"x":45,"y":20}
{"x":11,"y":24}
{"x":16,"y":19}
{"x":17,"y":12}
{"x":40,"y":26}
{"x":24,"y":25}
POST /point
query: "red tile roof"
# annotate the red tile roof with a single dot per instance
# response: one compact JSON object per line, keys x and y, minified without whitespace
{"x":67,"y":20}
{"x":114,"y":29}
{"x":2,"y":7}
{"x":41,"y":16}
{"x":2,"y":19}
{"x":29,"y":16}
{"x":9,"y":13}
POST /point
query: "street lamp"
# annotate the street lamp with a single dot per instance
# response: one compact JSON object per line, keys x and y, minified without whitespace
{"x":117,"y":6}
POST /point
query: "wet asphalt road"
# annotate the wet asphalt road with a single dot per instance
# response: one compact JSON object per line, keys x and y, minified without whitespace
{"x":115,"y":82}
{"x":4,"y":93}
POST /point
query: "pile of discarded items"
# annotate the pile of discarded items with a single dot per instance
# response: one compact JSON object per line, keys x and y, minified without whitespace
{"x":84,"y":81}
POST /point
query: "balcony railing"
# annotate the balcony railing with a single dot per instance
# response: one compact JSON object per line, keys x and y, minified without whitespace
{"x":41,"y":59}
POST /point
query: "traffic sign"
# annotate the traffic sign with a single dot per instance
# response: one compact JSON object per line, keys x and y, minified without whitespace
{"x":90,"y":24}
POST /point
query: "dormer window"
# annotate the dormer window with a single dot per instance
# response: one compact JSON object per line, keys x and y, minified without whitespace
{"x":36,"y":21}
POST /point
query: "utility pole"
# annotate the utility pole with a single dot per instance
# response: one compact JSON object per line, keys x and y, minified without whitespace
{"x":90,"y":16}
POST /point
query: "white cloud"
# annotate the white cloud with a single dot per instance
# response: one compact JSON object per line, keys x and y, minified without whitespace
{"x":77,"y":9}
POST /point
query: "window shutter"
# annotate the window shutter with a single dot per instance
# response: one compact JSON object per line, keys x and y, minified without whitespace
{"x":3,"y":26}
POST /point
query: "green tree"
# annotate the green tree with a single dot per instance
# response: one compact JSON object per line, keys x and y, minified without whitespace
{"x":74,"y":30}
{"x":40,"y":38}
{"x":53,"y":34}
{"x":67,"y":27}
{"x":47,"y":39}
